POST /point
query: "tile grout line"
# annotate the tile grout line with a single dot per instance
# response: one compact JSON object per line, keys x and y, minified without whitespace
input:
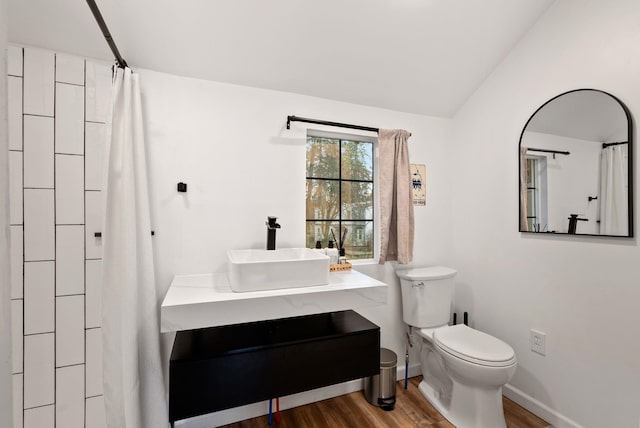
{"x":84,"y":235}
{"x":55,"y":249}
{"x":23,"y":244}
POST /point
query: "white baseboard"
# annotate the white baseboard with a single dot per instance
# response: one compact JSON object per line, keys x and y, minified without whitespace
{"x":556,"y":419}
{"x":262,"y":408}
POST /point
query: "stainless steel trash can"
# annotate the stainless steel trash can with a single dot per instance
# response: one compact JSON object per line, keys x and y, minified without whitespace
{"x":380,"y":390}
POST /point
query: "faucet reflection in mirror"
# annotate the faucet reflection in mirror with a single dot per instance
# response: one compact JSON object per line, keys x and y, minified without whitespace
{"x":575,"y":166}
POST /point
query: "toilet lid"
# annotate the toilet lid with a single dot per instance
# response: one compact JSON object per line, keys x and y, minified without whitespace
{"x":474,"y":346}
{"x":426,"y":273}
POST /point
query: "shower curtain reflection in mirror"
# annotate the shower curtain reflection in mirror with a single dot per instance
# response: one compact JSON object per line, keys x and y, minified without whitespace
{"x":614,"y":190}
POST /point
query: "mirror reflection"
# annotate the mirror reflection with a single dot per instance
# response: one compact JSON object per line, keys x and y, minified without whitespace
{"x":575,"y":166}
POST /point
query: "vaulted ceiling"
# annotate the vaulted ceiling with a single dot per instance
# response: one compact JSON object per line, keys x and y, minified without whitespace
{"x":418,"y":56}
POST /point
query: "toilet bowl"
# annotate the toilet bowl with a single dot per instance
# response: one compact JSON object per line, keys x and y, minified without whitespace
{"x":463,"y":369}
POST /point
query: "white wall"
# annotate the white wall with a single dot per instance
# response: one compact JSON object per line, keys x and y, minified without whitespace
{"x":231,"y":146}
{"x":5,"y":287}
{"x":584,"y":293}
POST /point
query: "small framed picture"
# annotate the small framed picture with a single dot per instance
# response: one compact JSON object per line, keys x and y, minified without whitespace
{"x":419,"y":184}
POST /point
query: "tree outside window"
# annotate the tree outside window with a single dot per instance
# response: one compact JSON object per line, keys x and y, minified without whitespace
{"x":339,"y":194}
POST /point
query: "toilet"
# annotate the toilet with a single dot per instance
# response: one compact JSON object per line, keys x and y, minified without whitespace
{"x":463,"y":369}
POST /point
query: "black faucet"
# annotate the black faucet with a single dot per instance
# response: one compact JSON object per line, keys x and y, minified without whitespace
{"x":271,"y":232}
{"x":573,"y":222}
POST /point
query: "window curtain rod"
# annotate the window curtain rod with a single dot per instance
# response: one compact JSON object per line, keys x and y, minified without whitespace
{"x":328,"y":123}
{"x":105,"y":32}
{"x":605,"y":145}
{"x":555,"y":152}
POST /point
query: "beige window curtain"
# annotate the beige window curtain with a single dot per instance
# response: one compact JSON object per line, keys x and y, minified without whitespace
{"x":396,"y":196}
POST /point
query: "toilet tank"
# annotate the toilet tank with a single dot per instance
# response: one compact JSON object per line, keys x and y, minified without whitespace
{"x":426,"y":295}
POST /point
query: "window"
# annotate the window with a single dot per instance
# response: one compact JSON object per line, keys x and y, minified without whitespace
{"x":340,"y":194}
{"x":537,"y":193}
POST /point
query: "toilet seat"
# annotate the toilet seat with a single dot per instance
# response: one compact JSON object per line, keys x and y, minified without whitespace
{"x":474,"y":346}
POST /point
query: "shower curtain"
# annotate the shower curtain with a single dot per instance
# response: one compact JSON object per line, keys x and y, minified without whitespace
{"x":134,"y":391}
{"x":396,"y":197}
{"x":613,"y":190}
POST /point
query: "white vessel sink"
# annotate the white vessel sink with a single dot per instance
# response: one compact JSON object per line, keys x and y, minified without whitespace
{"x":256,"y":270}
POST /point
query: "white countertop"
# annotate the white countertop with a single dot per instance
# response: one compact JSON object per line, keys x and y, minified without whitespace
{"x":196,"y":301}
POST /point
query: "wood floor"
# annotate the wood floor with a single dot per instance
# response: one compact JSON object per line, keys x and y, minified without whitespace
{"x":353,"y":411}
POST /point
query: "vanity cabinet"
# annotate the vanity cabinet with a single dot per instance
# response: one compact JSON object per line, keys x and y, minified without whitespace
{"x":217,"y":368}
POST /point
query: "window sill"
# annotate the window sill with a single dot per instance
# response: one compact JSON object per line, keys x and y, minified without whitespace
{"x":363,"y":262}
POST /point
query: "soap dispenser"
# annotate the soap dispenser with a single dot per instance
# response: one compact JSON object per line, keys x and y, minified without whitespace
{"x":333,"y":253}
{"x":319,"y":248}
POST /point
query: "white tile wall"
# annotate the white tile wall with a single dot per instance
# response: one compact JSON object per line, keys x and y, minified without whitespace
{"x":16,"y":336}
{"x":95,"y":134}
{"x":69,"y":260}
{"x":69,"y":330}
{"x":38,"y":94}
{"x":17,"y":400}
{"x":69,"y":69}
{"x":38,"y":152}
{"x":15,"y":187}
{"x":69,"y":189}
{"x":93,"y":219}
{"x":17,"y":265}
{"x":93,"y":294}
{"x":94,"y":362}
{"x":39,"y":297}
{"x":95,"y":413}
{"x":40,"y":417}
{"x":98,"y":92}
{"x":14,"y":103}
{"x":50,"y":125}
{"x":70,"y":397}
{"x":14,"y":61}
{"x":69,"y":118}
{"x":39,"y":371}
{"x":39,"y":230}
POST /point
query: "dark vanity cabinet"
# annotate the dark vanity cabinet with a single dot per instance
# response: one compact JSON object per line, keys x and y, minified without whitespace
{"x":217,"y":368}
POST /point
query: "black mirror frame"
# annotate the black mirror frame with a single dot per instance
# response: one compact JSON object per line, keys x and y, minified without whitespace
{"x":630,"y":166}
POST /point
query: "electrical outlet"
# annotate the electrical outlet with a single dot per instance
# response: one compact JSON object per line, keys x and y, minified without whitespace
{"x":538,"y":342}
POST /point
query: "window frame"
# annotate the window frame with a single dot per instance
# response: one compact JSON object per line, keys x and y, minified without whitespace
{"x":375,"y":219}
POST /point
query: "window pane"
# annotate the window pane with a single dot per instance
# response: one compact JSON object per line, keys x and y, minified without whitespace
{"x":322,"y":199}
{"x":358,"y":242}
{"x":357,"y":160}
{"x":321,"y":231}
{"x":530,"y":223}
{"x":531,"y":172}
{"x":357,"y":200}
{"x":323,"y":158}
{"x":531,"y":202}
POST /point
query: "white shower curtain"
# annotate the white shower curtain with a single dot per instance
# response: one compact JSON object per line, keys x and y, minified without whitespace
{"x":134,"y":391}
{"x":614,"y":199}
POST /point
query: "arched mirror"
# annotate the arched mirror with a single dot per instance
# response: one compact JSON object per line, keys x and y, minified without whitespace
{"x":576,"y":166}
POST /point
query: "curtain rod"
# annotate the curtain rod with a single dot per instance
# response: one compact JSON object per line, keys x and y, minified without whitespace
{"x":555,"y":152}
{"x":328,"y":123}
{"x":105,"y":32}
{"x":324,"y":122}
{"x":605,"y":145}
